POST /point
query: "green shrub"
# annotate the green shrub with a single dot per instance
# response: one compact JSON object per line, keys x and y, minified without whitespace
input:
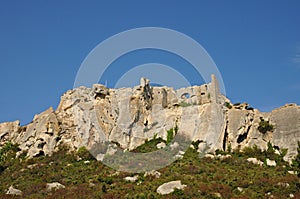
{"x":170,"y":134}
{"x":185,"y":104}
{"x":227,"y":105}
{"x":178,"y":192}
{"x":296,"y":161}
{"x":265,"y":126}
{"x":148,"y":146}
{"x":84,"y":154}
{"x":7,"y":150}
{"x":208,"y":96}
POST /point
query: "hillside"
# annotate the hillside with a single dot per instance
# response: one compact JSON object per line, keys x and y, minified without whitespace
{"x":193,"y":136}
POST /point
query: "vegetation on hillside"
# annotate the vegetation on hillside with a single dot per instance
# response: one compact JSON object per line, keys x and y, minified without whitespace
{"x":84,"y":177}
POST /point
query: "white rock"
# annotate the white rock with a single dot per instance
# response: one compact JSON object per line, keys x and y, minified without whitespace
{"x":54,"y":186}
{"x":255,"y":161}
{"x":86,"y":162}
{"x":292,"y":195}
{"x":154,"y":173}
{"x":174,"y":146}
{"x":223,"y":157}
{"x":293,"y":172}
{"x":240,"y":189}
{"x":131,"y":179}
{"x":271,"y":162}
{"x":100,"y":157}
{"x":169,"y":187}
{"x":32,"y":166}
{"x":218,"y":195}
{"x":209,"y":156}
{"x":161,"y":145}
{"x":277,"y":152}
{"x":13,"y":191}
{"x":282,"y":184}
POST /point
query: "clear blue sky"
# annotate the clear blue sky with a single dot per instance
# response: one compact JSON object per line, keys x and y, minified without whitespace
{"x":255,"y":44}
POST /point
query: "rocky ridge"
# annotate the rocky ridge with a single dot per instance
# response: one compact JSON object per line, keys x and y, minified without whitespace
{"x":127,"y":117}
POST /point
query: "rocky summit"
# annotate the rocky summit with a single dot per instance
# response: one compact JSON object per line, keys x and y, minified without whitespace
{"x":128,"y":117}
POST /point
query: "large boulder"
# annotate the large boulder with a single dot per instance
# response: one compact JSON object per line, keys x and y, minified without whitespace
{"x":9,"y":131}
{"x":287,"y":128}
{"x":170,"y":187}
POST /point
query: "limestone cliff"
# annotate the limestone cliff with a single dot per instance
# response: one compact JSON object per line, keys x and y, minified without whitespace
{"x":129,"y":116}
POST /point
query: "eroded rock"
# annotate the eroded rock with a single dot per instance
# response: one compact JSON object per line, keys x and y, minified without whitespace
{"x":169,"y":187}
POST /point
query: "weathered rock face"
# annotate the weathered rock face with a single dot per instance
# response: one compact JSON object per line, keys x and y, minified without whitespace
{"x":287,"y":129}
{"x":8,"y":131}
{"x":130,"y":116}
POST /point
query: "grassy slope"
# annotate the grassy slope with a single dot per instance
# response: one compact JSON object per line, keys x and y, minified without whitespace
{"x":203,"y":177}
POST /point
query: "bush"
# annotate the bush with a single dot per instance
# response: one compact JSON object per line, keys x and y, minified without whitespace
{"x":170,"y":134}
{"x":185,"y":104}
{"x":296,"y":161}
{"x":6,"y":150}
{"x":227,"y":105}
{"x":265,"y":126}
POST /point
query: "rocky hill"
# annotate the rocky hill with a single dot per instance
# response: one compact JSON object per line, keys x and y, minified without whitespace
{"x":127,"y":117}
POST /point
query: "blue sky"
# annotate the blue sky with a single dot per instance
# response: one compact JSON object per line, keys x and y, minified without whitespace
{"x":255,"y":44}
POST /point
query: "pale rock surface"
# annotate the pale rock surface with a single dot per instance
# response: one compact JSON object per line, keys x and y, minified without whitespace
{"x":169,"y":187}
{"x":12,"y":191}
{"x":255,"y":161}
{"x":54,"y":186}
{"x":9,"y":131}
{"x":131,"y":179}
{"x":161,"y":145}
{"x":209,"y":156}
{"x":271,"y":163}
{"x":154,"y":173}
{"x":287,"y":128}
{"x":101,"y":119}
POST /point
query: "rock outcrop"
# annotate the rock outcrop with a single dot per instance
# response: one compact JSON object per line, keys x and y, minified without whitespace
{"x":13,"y":191}
{"x":127,"y":117}
{"x":170,"y":187}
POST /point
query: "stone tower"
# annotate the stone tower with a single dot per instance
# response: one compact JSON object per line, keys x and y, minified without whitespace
{"x":214,"y":89}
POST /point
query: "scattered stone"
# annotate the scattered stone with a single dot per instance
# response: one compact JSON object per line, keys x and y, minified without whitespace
{"x":169,"y":187}
{"x":223,"y":157}
{"x":293,"y":172}
{"x":255,"y":161}
{"x":218,"y":195}
{"x":100,"y":157}
{"x":13,"y":191}
{"x":154,"y":173}
{"x":117,"y":173}
{"x":271,"y":163}
{"x":111,"y":150}
{"x":277,"y":152}
{"x":31,"y":166}
{"x":131,"y":179}
{"x":174,"y":146}
{"x":54,"y":186}
{"x":240,"y":189}
{"x":87,"y":162}
{"x":292,"y":195}
{"x":209,"y":156}
{"x":284,"y":185}
{"x":161,"y":145}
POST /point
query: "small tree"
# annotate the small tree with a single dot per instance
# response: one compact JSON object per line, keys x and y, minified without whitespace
{"x":265,"y":126}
